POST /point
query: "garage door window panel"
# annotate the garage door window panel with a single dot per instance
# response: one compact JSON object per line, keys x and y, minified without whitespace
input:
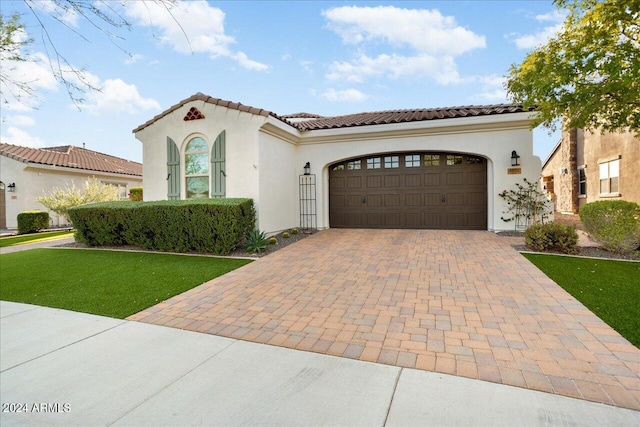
{"x":432,"y":159}
{"x":412,"y":161}
{"x":374,"y":163}
{"x":391,"y":162}
{"x":453,"y":160}
{"x":354,"y":165}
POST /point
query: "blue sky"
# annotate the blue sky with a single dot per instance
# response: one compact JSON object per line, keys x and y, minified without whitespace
{"x":323,"y":57}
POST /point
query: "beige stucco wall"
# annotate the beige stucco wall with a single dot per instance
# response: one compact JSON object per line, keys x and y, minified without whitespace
{"x":242,"y":155}
{"x":600,"y":148}
{"x":266,"y":156}
{"x":489,"y":137}
{"x":278,"y":169}
{"x":590,"y":150}
{"x":32,"y":181}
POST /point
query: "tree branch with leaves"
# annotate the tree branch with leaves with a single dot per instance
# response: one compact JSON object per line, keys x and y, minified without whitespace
{"x":589,"y":73}
{"x":107,"y":17}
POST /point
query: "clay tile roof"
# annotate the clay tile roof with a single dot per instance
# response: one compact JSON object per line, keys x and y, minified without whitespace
{"x":69,"y":156}
{"x":403,"y":116}
{"x":302,"y":116}
{"x":205,"y":98}
{"x":351,"y":120}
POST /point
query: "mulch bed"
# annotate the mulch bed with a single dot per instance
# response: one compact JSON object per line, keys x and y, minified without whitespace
{"x":239,"y":252}
{"x":282,"y":242}
{"x":591,"y":252}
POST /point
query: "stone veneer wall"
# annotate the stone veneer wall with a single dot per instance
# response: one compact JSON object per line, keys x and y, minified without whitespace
{"x":564,"y":169}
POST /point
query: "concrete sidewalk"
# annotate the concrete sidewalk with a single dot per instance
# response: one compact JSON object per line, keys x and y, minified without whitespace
{"x":36,"y":245}
{"x":80,"y":369}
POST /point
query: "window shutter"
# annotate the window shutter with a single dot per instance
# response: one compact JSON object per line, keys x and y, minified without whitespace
{"x":218,"y":168}
{"x":173,"y":170}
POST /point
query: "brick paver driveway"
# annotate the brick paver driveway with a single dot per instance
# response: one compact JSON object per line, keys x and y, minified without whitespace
{"x":458,"y":302}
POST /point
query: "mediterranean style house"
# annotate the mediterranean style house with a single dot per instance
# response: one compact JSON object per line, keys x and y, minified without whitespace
{"x":589,"y":166}
{"x":27,"y":173}
{"x":422,"y":168}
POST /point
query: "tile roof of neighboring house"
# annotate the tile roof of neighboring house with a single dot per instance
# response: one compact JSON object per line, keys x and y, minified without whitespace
{"x":302,"y":116}
{"x":68,"y":156}
{"x":350,"y":120}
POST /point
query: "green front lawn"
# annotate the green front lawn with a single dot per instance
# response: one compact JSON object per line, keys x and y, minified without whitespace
{"x":32,"y":238}
{"x":108,"y":283}
{"x":610,"y":289}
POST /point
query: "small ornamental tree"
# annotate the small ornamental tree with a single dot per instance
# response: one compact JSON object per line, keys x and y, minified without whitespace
{"x":526,"y":205}
{"x":60,"y":200}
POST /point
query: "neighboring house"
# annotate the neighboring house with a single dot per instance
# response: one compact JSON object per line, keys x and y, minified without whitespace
{"x":423,"y":168}
{"x":586,"y":166}
{"x":27,"y":173}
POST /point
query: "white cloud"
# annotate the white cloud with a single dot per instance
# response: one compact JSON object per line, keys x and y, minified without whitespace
{"x":540,"y":37}
{"x":190,"y":27}
{"x":426,"y":31}
{"x":17,"y":136}
{"x":348,"y":95}
{"x":442,"y":69}
{"x":34,"y":73}
{"x":133,"y":58}
{"x":20,"y":120}
{"x":64,"y":14}
{"x":491,"y":89}
{"x":247,"y":63}
{"x":306,"y":65}
{"x":429,"y":41}
{"x":117,"y":96}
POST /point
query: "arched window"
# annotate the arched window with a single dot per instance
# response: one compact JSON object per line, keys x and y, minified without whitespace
{"x":196,"y":168}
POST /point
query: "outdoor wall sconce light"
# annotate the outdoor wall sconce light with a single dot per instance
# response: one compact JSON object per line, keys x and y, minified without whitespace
{"x":307,"y":169}
{"x":12,"y":187}
{"x":515,"y":159}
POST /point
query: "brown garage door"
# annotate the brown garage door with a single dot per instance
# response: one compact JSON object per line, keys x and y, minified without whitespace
{"x":409,"y":190}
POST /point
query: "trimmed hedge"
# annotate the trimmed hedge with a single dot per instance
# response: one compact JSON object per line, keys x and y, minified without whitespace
{"x":615,"y":224}
{"x":203,"y":225}
{"x":552,"y":236}
{"x":32,"y":221}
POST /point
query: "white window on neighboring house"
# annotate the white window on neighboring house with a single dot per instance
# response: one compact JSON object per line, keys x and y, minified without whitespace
{"x":122,"y":189}
{"x":610,"y":177}
{"x":582,"y":182}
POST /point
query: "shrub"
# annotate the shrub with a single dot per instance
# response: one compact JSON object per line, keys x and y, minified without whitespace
{"x":552,"y":236}
{"x":615,"y":224}
{"x":135,"y":194}
{"x":256,"y":241}
{"x":285,"y":235}
{"x":32,"y":221}
{"x":60,"y":200}
{"x":203,"y":225}
{"x":526,"y":205}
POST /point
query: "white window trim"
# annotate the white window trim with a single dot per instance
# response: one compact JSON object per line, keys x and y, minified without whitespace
{"x":600,"y":178}
{"x":584,"y":169}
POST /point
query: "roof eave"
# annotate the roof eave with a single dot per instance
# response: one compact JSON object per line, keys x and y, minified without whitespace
{"x":519,"y":120}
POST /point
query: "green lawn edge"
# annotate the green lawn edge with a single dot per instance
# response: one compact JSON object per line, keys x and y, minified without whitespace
{"x":107,"y":283}
{"x":609,"y":288}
